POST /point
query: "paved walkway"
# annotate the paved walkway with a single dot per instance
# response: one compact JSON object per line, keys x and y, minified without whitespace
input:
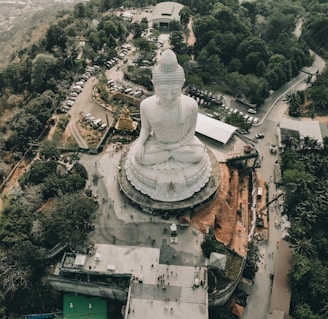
{"x":119,"y":222}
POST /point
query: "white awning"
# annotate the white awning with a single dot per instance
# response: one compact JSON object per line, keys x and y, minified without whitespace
{"x":214,"y":129}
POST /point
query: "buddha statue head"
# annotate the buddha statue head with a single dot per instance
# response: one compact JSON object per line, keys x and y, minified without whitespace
{"x":168,"y":77}
{"x":168,"y":70}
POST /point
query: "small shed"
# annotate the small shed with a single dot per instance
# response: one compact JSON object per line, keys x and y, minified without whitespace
{"x":80,"y":260}
{"x":218,"y":261}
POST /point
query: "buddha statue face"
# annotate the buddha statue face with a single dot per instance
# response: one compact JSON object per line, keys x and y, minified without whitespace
{"x":168,"y":93}
{"x":168,"y":78}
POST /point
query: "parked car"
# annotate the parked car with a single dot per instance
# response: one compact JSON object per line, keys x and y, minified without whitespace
{"x":90,"y":69}
{"x":110,"y":82}
{"x":77,"y":88}
{"x":246,"y":116}
{"x":96,"y":123}
{"x":85,"y":76}
{"x":252,"y":111}
{"x":102,"y":127}
{"x":91,"y":119}
{"x":273,"y":148}
{"x":137,"y":93}
{"x":128,"y":91}
{"x":80,"y":83}
{"x":61,"y":110}
{"x":108,"y":64}
{"x":256,"y":120}
{"x":66,"y":107}
{"x":75,"y":94}
{"x":69,"y":103}
{"x":250,"y":120}
{"x":259,"y":135}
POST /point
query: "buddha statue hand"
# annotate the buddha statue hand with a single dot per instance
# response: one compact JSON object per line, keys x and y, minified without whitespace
{"x":139,"y":151}
{"x":168,"y":146}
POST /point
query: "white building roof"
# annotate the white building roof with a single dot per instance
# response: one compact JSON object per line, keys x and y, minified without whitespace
{"x":214,"y":129}
{"x":166,"y":12}
{"x":305,"y":128}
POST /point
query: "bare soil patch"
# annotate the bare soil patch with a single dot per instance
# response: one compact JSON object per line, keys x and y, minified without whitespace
{"x":222,"y":215}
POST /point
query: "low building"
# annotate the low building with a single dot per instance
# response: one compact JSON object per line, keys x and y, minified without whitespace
{"x":214,"y":129}
{"x":294,"y":133}
{"x":165,"y":13}
{"x":133,"y":275}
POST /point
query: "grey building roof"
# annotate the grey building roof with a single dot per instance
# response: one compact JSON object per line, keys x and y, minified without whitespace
{"x":305,"y":128}
{"x":166,"y":12}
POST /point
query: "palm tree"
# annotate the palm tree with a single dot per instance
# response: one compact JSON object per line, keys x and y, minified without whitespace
{"x":303,"y":246}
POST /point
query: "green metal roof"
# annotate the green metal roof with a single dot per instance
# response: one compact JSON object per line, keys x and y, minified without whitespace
{"x":84,"y":307}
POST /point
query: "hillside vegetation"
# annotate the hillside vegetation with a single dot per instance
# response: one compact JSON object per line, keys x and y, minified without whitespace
{"x":24,"y":32}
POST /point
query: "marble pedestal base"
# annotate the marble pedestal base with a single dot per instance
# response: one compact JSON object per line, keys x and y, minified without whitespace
{"x":150,"y":205}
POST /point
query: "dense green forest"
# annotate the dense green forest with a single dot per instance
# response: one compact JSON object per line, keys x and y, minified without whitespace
{"x":305,"y":176}
{"x":50,"y":208}
{"x":246,"y":49}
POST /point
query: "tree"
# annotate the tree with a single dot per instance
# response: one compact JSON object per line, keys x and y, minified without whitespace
{"x":55,"y":37}
{"x":253,"y":44}
{"x":137,"y":29}
{"x":227,"y":44}
{"x":49,"y":150}
{"x":253,"y":258}
{"x":68,"y":219}
{"x":204,"y":31}
{"x":144,"y":45}
{"x":303,"y":246}
{"x":11,"y":276}
{"x":32,"y":197}
{"x":44,"y":69}
{"x":185,"y":14}
{"x":38,"y":171}
{"x":177,"y":42}
{"x":42,"y":106}
{"x":278,"y":23}
{"x":79,"y":11}
{"x":238,"y":121}
{"x":303,"y":311}
{"x":315,"y":31}
{"x":26,"y":127}
{"x":110,"y":28}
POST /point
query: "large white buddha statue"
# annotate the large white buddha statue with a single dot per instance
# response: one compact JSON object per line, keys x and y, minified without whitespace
{"x":168,"y":162}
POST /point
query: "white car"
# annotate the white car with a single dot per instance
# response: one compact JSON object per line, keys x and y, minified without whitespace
{"x":102,"y":127}
{"x":250,"y":120}
{"x":69,"y":102}
{"x":252,"y":111}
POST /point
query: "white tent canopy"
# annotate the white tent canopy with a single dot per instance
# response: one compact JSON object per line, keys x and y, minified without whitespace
{"x":214,"y":129}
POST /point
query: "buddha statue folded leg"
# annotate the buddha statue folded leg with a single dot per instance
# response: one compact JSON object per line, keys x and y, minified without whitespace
{"x":189,"y":154}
